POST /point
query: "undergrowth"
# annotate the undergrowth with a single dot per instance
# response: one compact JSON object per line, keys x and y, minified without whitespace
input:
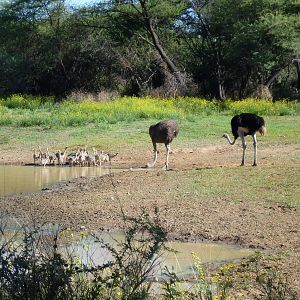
{"x":25,"y":110}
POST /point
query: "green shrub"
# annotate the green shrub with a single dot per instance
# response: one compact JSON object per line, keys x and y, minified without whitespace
{"x":261,"y":107}
{"x":27,"y":101}
{"x":32,"y":265}
{"x":196,"y":105}
{"x":5,"y":116}
{"x":33,"y":119}
{"x":19,"y":110}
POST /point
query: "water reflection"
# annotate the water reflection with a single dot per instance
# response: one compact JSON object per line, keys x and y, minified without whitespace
{"x":24,"y":179}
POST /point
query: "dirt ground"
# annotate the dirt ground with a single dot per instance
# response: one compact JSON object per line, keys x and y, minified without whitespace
{"x":96,"y":202}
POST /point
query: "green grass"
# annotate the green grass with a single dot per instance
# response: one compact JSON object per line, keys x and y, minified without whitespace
{"x":269,"y":184}
{"x":203,"y":130}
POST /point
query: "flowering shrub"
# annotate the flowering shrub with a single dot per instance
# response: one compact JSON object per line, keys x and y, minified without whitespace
{"x":34,"y":111}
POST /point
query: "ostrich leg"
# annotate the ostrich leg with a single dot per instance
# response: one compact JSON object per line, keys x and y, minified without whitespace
{"x":255,"y":148}
{"x":241,"y":135}
{"x":168,"y":148}
{"x":150,"y":165}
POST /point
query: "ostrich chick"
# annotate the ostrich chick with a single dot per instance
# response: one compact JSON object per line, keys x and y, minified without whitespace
{"x":61,"y":156}
{"x":163,"y":132}
{"x":246,"y":124}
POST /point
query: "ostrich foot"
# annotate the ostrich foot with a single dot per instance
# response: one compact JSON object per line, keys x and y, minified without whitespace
{"x":254,"y":165}
{"x":242,"y":164}
{"x":165,"y":168}
{"x":150,"y":165}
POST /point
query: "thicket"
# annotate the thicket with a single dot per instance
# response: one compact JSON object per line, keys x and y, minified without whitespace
{"x":160,"y":48}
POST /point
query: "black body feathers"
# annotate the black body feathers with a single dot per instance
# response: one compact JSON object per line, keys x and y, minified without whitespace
{"x":251,"y":123}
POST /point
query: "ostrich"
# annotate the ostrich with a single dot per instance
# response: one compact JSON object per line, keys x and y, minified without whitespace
{"x":246,"y":124}
{"x":163,"y":132}
{"x":51,"y":157}
{"x":36,"y":156}
{"x":72,"y":158}
{"x":61,"y":156}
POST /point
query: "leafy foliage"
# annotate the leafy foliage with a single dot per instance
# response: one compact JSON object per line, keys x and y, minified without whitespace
{"x":223,"y":48}
{"x":33,"y":266}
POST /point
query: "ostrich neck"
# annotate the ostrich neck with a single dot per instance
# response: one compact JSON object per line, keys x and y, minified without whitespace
{"x":229,"y":140}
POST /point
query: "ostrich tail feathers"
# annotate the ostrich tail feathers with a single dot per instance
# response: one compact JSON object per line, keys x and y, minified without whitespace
{"x":262,"y":130}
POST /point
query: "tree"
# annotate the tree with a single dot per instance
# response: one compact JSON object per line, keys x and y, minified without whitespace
{"x":146,"y":20}
{"x":139,"y":47}
{"x":242,"y":44}
{"x":33,"y":35}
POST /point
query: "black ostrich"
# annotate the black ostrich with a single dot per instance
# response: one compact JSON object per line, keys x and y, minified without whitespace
{"x":246,"y":124}
{"x":163,"y":132}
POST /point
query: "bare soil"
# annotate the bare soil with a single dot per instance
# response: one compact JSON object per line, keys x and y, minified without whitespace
{"x":96,"y":202}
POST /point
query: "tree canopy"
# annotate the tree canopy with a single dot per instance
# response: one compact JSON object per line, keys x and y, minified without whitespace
{"x":211,"y":48}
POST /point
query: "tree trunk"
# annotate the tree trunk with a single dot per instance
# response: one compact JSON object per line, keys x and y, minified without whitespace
{"x":272,"y":78}
{"x":296,"y":62}
{"x":155,"y":39}
{"x":221,"y":88}
{"x":222,"y":94}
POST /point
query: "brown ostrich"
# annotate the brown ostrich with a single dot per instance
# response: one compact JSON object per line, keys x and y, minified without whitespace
{"x":163,"y":132}
{"x":246,"y":124}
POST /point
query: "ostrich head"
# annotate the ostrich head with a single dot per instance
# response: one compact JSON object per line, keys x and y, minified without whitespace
{"x":226,"y":136}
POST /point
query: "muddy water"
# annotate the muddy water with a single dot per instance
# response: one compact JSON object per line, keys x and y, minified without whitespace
{"x":24,"y":179}
{"x":180,"y":261}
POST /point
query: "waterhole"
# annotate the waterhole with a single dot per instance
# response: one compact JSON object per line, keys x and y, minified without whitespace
{"x":26,"y":179}
{"x":179,"y":260}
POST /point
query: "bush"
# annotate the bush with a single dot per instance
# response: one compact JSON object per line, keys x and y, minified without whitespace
{"x":261,"y":107}
{"x":33,"y":267}
{"x":5,"y":117}
{"x":27,"y":101}
{"x":25,"y":110}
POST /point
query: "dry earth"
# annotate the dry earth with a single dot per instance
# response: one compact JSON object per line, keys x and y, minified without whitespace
{"x":97,"y":202}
